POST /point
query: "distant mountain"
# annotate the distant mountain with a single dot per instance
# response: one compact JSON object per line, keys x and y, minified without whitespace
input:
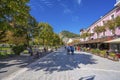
{"x":68,"y":34}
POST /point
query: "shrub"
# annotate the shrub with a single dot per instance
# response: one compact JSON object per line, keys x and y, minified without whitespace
{"x":97,"y":51}
{"x":93,"y":51}
{"x":103,"y":52}
{"x":112,"y":54}
{"x":5,"y":54}
{"x":84,"y":49}
{"x":25,"y":51}
{"x":2,"y":54}
{"x":18,"y":49}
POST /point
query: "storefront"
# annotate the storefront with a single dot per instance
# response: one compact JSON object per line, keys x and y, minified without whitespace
{"x":114,"y":45}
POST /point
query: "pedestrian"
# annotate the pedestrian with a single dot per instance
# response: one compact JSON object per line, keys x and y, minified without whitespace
{"x":68,"y":50}
{"x":75,"y":48}
{"x":56,"y":48}
{"x":65,"y":47}
{"x":36,"y":50}
{"x":78,"y":48}
{"x":72,"y":49}
{"x":45,"y":49}
{"x":30,"y":50}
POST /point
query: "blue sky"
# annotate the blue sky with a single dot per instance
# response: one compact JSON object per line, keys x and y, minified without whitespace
{"x":71,"y":15}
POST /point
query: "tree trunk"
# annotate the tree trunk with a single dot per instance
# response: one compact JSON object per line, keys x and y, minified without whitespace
{"x":43,"y":42}
{"x":104,"y":33}
{"x":28,"y":40}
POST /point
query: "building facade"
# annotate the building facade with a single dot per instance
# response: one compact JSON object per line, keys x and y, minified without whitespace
{"x":109,"y":16}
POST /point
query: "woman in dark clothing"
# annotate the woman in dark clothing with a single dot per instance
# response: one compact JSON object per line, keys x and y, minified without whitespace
{"x":72,"y":49}
{"x":68,"y":49}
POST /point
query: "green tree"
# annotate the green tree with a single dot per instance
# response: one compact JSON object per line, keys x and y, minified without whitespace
{"x":2,"y":36}
{"x":97,"y":30}
{"x":103,"y":29}
{"x":30,"y":29}
{"x":26,"y":33}
{"x":117,"y":21}
{"x":13,"y":14}
{"x":111,"y":25}
{"x":84,"y":35}
{"x":89,"y":35}
{"x":55,"y":40}
{"x":45,"y":32}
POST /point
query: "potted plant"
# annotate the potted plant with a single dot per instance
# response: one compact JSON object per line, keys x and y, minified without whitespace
{"x":97,"y":51}
{"x":103,"y":53}
{"x":92,"y":51}
{"x":113,"y":56}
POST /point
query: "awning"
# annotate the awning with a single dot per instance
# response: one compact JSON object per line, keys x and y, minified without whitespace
{"x":99,"y":40}
{"x":113,"y":41}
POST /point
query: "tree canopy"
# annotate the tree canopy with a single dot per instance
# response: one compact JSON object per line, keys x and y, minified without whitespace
{"x":46,"y":36}
{"x":15,"y":17}
{"x":84,"y":35}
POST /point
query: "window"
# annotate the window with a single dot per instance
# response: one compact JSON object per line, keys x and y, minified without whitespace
{"x":103,"y":22}
{"x":112,"y":16}
{"x":118,"y":27}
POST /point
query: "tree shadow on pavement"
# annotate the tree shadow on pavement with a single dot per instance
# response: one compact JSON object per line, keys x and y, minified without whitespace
{"x":88,"y":77}
{"x":3,"y":71}
{"x":62,"y":62}
{"x":20,"y":61}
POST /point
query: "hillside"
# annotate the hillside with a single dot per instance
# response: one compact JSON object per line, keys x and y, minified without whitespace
{"x":69,"y":34}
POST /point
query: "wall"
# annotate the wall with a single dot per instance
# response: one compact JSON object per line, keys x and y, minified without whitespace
{"x":100,"y":22}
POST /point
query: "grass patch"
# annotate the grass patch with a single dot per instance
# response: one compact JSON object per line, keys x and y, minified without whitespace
{"x":5,"y":48}
{"x":112,"y":54}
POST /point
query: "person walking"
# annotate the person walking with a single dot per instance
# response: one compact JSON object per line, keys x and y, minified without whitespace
{"x":72,"y":49}
{"x":30,"y":50}
{"x":68,"y":50}
{"x":78,"y":48}
{"x":36,"y":50}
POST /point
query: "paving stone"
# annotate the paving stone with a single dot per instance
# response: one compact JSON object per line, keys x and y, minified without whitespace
{"x":60,"y":66}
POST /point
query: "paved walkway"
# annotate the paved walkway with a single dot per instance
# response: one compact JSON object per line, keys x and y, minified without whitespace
{"x":59,"y":66}
{"x":14,"y":63}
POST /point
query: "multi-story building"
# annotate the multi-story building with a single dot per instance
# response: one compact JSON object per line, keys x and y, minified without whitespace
{"x":109,"y":16}
{"x":95,"y":41}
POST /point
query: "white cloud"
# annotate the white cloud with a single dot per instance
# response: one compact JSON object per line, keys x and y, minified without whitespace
{"x":40,"y":5}
{"x":46,"y":3}
{"x":79,"y":2}
{"x":67,"y":10}
{"x":63,"y":5}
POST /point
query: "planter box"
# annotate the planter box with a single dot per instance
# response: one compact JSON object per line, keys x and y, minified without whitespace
{"x":113,"y":58}
{"x":102,"y":55}
{"x":98,"y":54}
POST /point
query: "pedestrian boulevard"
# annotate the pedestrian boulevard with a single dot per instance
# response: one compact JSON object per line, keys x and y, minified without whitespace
{"x":60,"y":66}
